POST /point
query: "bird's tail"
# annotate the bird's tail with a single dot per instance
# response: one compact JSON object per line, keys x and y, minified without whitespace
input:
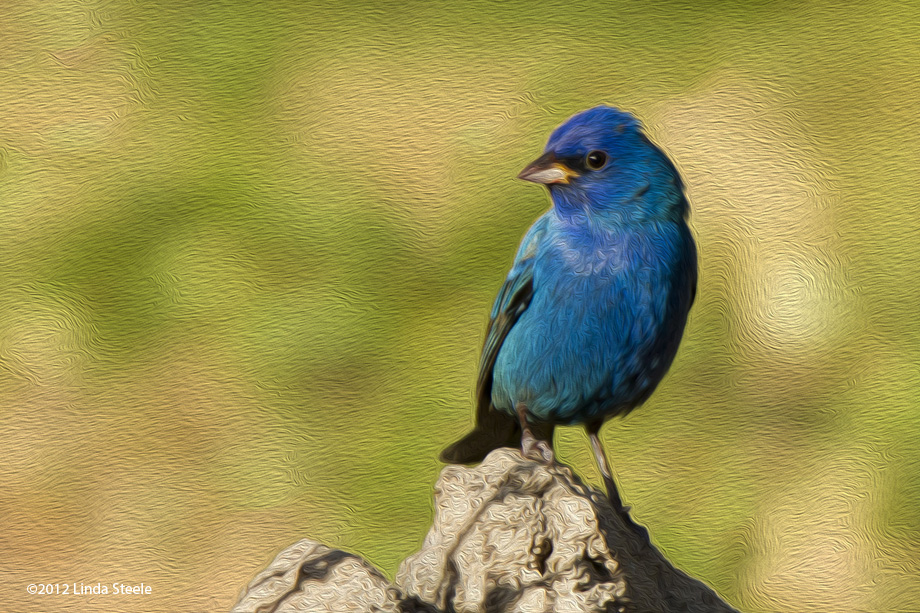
{"x":493,"y":430}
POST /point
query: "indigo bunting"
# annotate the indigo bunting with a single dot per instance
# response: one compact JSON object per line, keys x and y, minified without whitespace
{"x":592,"y":311}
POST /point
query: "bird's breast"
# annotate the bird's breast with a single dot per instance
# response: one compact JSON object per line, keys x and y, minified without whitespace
{"x":592,"y":259}
{"x":605,"y":255}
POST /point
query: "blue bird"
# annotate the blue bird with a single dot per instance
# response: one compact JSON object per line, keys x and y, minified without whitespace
{"x":590,"y":316}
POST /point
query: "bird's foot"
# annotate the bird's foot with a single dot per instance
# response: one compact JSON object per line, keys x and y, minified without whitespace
{"x":537,"y":450}
{"x":533,"y":448}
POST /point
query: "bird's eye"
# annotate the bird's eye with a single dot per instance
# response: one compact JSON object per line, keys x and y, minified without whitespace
{"x":595,"y":160}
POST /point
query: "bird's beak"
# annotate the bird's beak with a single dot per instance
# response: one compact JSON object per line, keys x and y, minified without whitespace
{"x":546,"y":169}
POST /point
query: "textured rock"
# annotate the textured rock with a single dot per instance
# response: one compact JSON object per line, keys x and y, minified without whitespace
{"x":509,"y":535}
{"x":308,"y":576}
{"x":515,"y":535}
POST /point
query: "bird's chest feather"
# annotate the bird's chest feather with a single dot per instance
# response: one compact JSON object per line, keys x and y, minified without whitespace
{"x":586,"y":258}
{"x":581,"y":270}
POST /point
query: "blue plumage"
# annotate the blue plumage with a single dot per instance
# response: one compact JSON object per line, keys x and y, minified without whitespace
{"x":591,"y":314}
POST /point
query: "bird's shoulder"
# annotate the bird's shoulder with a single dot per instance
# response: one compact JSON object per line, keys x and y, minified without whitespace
{"x":520,"y":275}
{"x":534,"y":238}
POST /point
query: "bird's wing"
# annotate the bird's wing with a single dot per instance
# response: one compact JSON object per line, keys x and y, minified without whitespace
{"x":494,"y":428}
{"x":513,"y":299}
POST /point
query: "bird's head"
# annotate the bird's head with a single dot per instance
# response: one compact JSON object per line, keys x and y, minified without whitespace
{"x":599,"y":164}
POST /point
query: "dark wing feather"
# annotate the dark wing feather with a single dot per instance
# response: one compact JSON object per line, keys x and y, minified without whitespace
{"x":513,"y":299}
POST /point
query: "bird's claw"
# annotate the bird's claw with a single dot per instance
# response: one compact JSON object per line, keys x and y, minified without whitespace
{"x":537,"y":450}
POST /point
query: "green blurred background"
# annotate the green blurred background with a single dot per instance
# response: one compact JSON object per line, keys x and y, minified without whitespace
{"x":247,"y":252}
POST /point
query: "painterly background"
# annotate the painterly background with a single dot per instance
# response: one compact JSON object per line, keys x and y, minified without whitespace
{"x":247,"y":252}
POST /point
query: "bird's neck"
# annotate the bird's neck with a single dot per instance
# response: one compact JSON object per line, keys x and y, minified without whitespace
{"x":617,"y":212}
{"x":580,"y":217}
{"x":571,"y":206}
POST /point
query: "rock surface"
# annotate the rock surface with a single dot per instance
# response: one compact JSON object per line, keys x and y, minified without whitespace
{"x":509,"y":535}
{"x":308,"y":576}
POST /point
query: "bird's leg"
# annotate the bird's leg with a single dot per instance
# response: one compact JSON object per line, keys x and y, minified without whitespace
{"x":532,"y":447}
{"x":612,"y":493}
